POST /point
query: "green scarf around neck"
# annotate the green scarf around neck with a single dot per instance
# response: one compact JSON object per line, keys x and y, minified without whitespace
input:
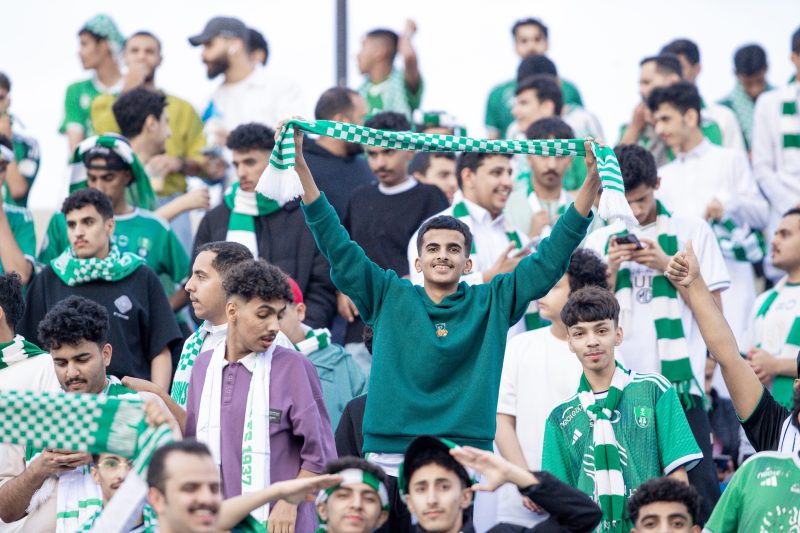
{"x":116,"y":266}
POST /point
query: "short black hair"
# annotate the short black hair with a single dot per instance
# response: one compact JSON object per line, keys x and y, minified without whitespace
{"x":73,"y":320}
{"x":637,"y":165}
{"x":472,"y":160}
{"x":546,"y":88}
{"x":144,"y":33}
{"x":682,"y":95}
{"x":421,"y":161}
{"x":685,"y":48}
{"x":133,"y":107}
{"x":434,"y":456}
{"x":252,"y":136}
{"x":367,"y":336}
{"x":530,"y":21}
{"x":257,"y":41}
{"x":88,"y":196}
{"x":549,"y":128}
{"x":750,"y":59}
{"x":534,"y":65}
{"x":665,"y":64}
{"x":388,"y":120}
{"x":387,"y":36}
{"x":796,"y":41}
{"x":5,"y":82}
{"x":228,"y":254}
{"x":664,"y":489}
{"x":5,"y":141}
{"x":445,"y":222}
{"x":334,"y":101}
{"x":11,"y":300}
{"x":157,"y":471}
{"x":343,"y":463}
{"x":590,"y":304}
{"x":586,"y":269}
{"x":257,"y":279}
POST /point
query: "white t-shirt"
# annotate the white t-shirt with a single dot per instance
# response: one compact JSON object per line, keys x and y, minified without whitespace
{"x":728,"y":126}
{"x":639,"y":335}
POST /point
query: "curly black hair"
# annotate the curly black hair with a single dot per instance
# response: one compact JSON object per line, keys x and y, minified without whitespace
{"x":586,"y":269}
{"x":72,"y":321}
{"x":590,"y":304}
{"x":257,"y":279}
{"x":11,"y":300}
{"x":389,"y":120}
{"x":664,"y":489}
{"x":83,"y":197}
{"x":133,"y":107}
{"x":252,"y":136}
{"x":637,"y":165}
{"x":228,"y":254}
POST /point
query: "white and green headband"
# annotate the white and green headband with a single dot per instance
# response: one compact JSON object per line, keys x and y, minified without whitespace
{"x":356,"y":476}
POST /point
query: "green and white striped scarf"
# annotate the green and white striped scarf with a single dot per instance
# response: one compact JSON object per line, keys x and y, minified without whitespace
{"x":245,"y":206}
{"x":150,"y":523}
{"x":280,"y":181}
{"x":116,"y":266}
{"x":782,"y":386}
{"x":790,"y":124}
{"x":191,"y":349}
{"x":739,"y":243}
{"x":17,"y":350}
{"x":670,"y":338}
{"x":140,"y":190}
{"x":316,"y":339}
{"x":609,"y":458}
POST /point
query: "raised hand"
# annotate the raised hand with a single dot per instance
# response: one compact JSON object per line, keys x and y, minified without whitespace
{"x":684,"y":267}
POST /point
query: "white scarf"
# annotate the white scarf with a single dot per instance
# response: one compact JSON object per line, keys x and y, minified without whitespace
{"x":255,"y":442}
{"x":536,"y":206}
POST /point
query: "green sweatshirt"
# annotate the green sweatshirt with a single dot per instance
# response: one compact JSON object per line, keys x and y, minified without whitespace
{"x":436,"y":367}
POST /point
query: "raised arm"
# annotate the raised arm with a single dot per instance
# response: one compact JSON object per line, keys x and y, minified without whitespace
{"x":742,"y":383}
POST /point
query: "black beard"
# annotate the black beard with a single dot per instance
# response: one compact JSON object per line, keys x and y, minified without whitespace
{"x":217,"y":67}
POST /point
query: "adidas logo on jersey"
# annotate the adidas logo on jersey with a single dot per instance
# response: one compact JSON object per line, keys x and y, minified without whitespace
{"x":771,"y":481}
{"x":576,"y":435}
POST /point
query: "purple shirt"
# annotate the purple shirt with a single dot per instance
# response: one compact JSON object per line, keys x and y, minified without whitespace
{"x":303,"y":437}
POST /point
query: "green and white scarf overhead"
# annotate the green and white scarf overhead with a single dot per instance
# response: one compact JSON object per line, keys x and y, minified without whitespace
{"x":782,"y":386}
{"x":790,"y":124}
{"x":116,"y":266}
{"x":609,"y":458}
{"x":191,"y":349}
{"x":280,"y":181}
{"x":140,"y":189}
{"x":671,"y":345}
{"x":316,"y":339}
{"x":17,"y":350}
{"x":739,"y":243}
{"x":245,"y":206}
{"x":255,"y":441}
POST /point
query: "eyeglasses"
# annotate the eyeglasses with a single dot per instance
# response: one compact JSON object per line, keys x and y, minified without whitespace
{"x":111,"y":463}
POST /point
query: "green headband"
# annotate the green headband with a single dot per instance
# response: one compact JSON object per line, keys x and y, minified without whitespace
{"x":355,"y":476}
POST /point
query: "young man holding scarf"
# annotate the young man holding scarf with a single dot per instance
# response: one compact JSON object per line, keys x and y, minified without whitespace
{"x":259,"y":406}
{"x":661,"y":335}
{"x":55,"y":489}
{"x":459,"y":329}
{"x":622,"y":427}
{"x":142,"y":325}
{"x":270,"y":231}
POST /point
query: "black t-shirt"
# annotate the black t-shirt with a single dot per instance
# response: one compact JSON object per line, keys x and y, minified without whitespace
{"x":763,"y":427}
{"x":349,"y":434}
{"x":140,"y":318}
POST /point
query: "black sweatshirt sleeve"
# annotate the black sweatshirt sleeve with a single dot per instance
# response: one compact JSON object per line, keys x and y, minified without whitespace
{"x":763,"y":426}
{"x":570,"y":510}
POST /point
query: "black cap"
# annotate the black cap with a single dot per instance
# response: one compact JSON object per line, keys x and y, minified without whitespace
{"x":436,"y":445}
{"x":225,"y":26}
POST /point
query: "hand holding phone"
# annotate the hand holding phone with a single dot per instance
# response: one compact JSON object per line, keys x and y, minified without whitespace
{"x":630,"y":238}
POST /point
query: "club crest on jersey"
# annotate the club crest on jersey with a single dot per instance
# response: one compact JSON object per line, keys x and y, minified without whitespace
{"x":642,"y":415}
{"x":441,"y":329}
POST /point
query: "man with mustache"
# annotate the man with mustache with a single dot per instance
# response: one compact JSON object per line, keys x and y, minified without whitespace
{"x":259,"y":406}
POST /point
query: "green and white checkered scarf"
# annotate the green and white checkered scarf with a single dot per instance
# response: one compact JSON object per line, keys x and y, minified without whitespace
{"x":739,"y":243}
{"x":280,"y":181}
{"x":191,"y":349}
{"x":116,"y":266}
{"x":670,"y":338}
{"x":140,"y":190}
{"x":782,"y":386}
{"x":245,"y":206}
{"x":743,"y":107}
{"x":609,"y":458}
{"x":17,"y":350}
{"x":316,"y":339}
{"x":790,"y":124}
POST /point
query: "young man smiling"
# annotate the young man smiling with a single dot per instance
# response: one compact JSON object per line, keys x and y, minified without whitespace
{"x":622,"y":427}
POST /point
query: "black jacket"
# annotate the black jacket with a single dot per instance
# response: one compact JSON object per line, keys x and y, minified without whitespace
{"x":285,"y":241}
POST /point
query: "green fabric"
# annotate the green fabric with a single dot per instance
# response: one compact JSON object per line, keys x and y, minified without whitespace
{"x":650,"y":428}
{"x":77,"y":104}
{"x":790,"y":120}
{"x":444,"y":378}
{"x":74,"y":271}
{"x":245,"y":207}
{"x":761,"y":496}
{"x":498,"y":115}
{"x":16,"y":350}
{"x":28,"y":158}
{"x":392,"y":94}
{"x":189,"y":353}
{"x":20,"y":220}
{"x":739,"y":243}
{"x":743,"y":107}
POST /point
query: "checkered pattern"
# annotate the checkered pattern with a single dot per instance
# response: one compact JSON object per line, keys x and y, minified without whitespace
{"x":612,"y":205}
{"x":191,"y":349}
{"x":116,"y":266}
{"x":739,"y":243}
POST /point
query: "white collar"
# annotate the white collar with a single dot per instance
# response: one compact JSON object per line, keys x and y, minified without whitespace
{"x":407,"y":185}
{"x":481,"y":215}
{"x":697,"y":152}
{"x":128,"y":216}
